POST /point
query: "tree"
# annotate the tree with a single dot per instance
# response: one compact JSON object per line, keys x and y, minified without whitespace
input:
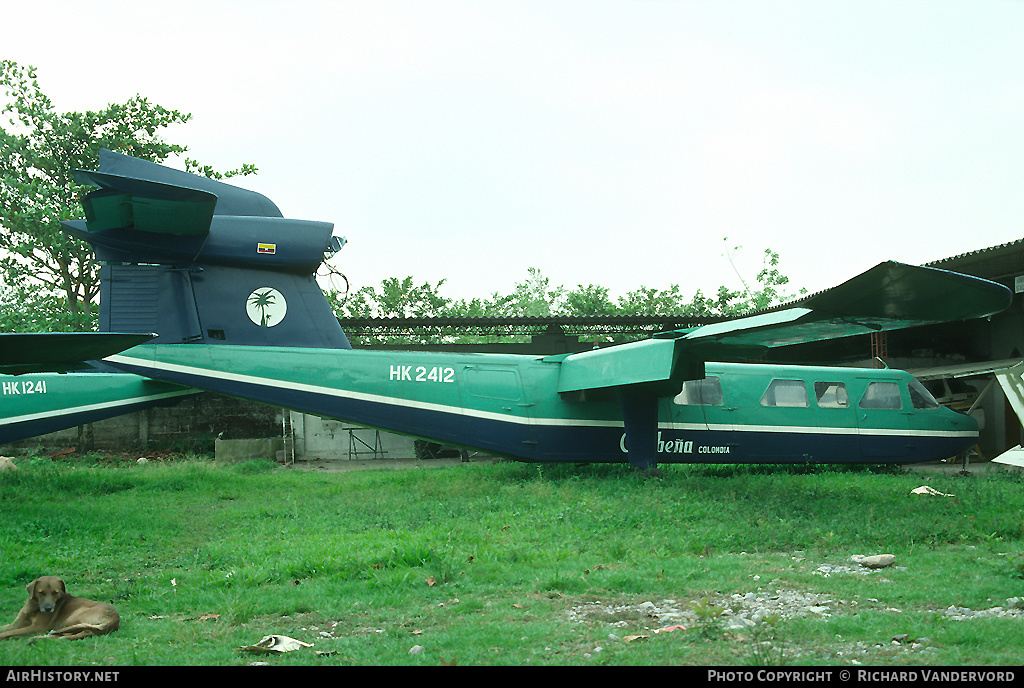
{"x":39,"y":150}
{"x":592,"y":299}
{"x":650,"y":301}
{"x":33,"y":310}
{"x":396,"y":298}
{"x":769,"y":278}
{"x":537,"y":297}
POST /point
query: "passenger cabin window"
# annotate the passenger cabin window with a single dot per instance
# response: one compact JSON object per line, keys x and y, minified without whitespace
{"x":706,"y":392}
{"x":786,"y":393}
{"x":831,"y":395}
{"x":882,"y":395}
{"x":920,"y":397}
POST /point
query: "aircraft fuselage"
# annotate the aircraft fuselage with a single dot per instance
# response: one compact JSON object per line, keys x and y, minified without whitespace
{"x":39,"y":403}
{"x":508,"y":404}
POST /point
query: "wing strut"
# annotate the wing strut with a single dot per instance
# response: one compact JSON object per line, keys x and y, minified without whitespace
{"x":640,"y":414}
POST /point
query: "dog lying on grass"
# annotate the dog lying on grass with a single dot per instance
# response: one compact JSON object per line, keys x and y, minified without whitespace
{"x":50,"y":610}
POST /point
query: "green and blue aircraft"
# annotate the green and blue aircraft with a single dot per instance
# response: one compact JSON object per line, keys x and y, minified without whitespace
{"x":35,"y":399}
{"x":228,"y":287}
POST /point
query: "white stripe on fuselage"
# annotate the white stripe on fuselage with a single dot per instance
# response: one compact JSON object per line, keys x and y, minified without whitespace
{"x":508,"y":418}
{"x":88,"y":408}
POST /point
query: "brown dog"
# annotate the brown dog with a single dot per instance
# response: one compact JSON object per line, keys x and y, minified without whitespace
{"x":51,"y":610}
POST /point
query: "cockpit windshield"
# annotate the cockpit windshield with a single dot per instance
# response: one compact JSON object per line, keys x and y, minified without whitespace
{"x":920,"y":397}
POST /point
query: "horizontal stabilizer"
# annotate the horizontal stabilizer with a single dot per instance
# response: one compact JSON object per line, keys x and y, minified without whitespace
{"x":158,"y":215}
{"x":128,"y":203}
{"x":58,"y":351}
{"x":231,"y":200}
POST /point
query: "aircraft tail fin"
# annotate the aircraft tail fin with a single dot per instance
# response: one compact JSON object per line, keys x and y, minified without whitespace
{"x":192,"y":259}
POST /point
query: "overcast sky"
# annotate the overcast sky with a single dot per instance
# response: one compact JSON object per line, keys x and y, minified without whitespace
{"x":606,"y":142}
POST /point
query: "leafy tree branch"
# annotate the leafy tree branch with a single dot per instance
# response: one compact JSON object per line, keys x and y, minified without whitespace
{"x":40,"y":148}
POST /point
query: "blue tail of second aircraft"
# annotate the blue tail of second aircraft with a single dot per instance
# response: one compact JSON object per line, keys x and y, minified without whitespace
{"x":193,"y":259}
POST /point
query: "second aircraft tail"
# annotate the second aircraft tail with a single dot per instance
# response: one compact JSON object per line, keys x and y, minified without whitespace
{"x":195,"y":260}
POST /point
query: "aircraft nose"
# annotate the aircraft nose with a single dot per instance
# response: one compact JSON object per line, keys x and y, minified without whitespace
{"x":965,"y":429}
{"x":966,"y":422}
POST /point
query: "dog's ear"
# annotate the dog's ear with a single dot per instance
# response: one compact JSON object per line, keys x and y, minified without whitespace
{"x":62,"y":588}
{"x":32,"y":587}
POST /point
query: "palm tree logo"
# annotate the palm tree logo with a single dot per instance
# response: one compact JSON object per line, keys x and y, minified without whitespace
{"x":266,"y":306}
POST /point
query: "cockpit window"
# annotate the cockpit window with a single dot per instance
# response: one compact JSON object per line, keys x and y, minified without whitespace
{"x":882,"y":395}
{"x":831,"y":395}
{"x":788,"y":393}
{"x":920,"y":397}
{"x":706,"y":392}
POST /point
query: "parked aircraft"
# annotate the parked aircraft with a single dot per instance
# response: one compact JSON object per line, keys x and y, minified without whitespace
{"x":34,"y":400}
{"x":227,"y":284}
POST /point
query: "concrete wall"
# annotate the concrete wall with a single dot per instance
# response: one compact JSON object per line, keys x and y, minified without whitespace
{"x":192,"y":425}
{"x":233,"y":429}
{"x":320,"y":439}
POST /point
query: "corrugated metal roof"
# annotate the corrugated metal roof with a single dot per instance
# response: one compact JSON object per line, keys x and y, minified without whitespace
{"x":996,"y":262}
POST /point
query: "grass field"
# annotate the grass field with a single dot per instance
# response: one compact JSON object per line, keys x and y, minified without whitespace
{"x":516,"y":564}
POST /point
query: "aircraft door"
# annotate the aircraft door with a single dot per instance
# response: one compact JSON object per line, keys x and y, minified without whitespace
{"x":496,"y":409}
{"x":718,"y":416}
{"x":883,"y":419}
{"x":704,"y":415}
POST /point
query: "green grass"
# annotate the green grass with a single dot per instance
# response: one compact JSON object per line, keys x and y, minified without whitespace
{"x":482,"y":564}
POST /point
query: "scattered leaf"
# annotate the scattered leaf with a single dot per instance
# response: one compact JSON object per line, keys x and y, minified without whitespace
{"x":431,"y":581}
{"x":275,"y":643}
{"x":925,"y":490}
{"x":669,"y":629}
{"x":666,"y":629}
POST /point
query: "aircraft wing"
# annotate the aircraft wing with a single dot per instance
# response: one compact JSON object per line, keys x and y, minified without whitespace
{"x":35,"y":353}
{"x":889,"y":296}
{"x":1011,"y":379}
{"x":963,"y":369}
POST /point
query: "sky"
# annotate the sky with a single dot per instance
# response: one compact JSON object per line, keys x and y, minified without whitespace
{"x":609,"y":142}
